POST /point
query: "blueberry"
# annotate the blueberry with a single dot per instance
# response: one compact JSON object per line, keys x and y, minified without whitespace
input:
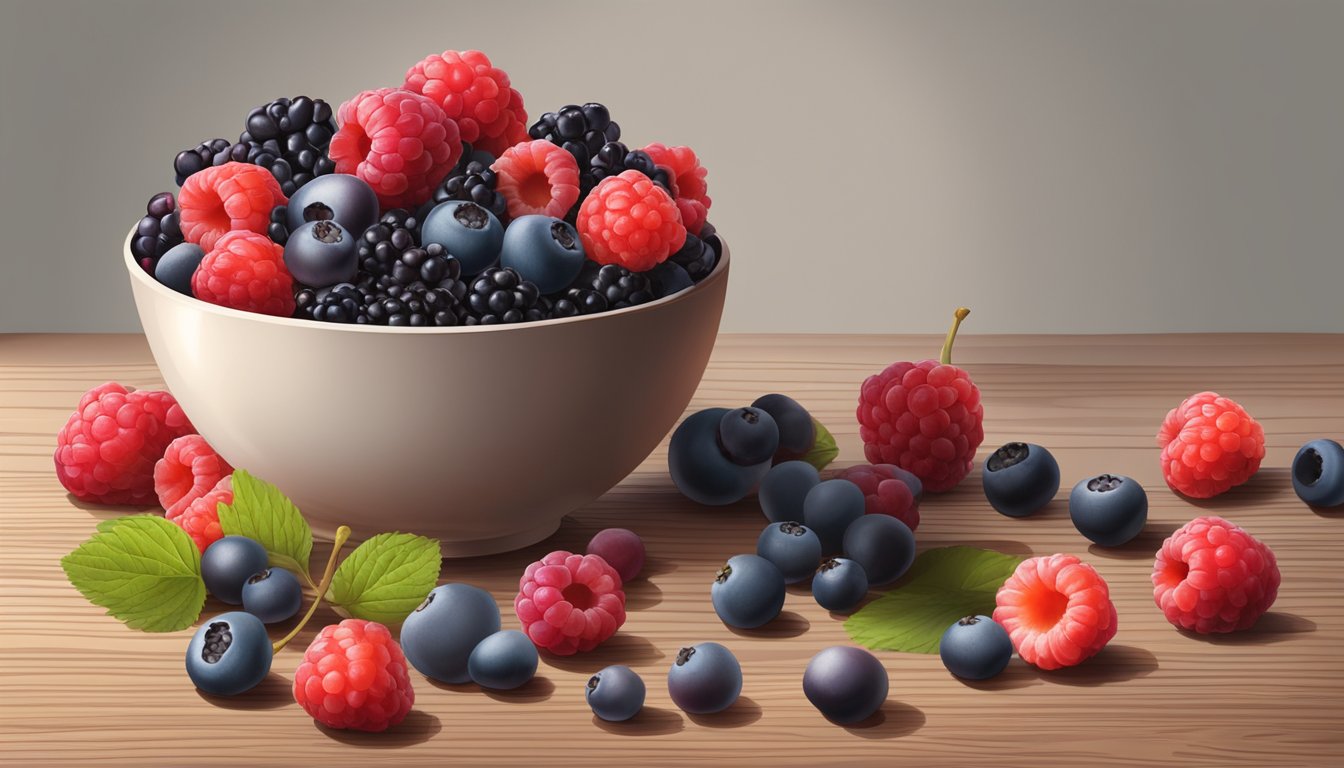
{"x":793,"y":549}
{"x":882,"y":545}
{"x":338,"y":197}
{"x":846,"y":684}
{"x":229,"y":562}
{"x":829,"y":508}
{"x":797,"y":431}
{"x":699,"y":468}
{"x":748,"y":591}
{"x":177,"y":265}
{"x":669,"y":278}
{"x":621,"y":548}
{"x":784,"y":488}
{"x":439,"y":636}
{"x":615,"y":693}
{"x":229,"y":654}
{"x":1318,"y":473}
{"x":544,"y":250}
{"x":503,"y":661}
{"x":272,"y":594}
{"x":1108,"y":509}
{"x":748,"y":436}
{"x":1020,"y":478}
{"x":322,"y":254}
{"x":839,"y":585}
{"x":704,"y":679}
{"x":975,"y":648}
{"x":467,"y":231}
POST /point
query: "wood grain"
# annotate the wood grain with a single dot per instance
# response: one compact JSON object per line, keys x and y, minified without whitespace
{"x":77,"y":688}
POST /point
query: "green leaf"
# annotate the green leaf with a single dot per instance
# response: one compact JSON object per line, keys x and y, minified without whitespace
{"x":386,"y":577}
{"x":143,"y":569}
{"x":942,"y":585}
{"x":261,"y":512}
{"x":824,"y":450}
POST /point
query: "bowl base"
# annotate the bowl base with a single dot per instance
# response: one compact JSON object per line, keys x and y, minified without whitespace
{"x":451,"y":550}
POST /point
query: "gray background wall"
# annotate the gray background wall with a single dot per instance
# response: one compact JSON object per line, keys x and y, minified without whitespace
{"x":1060,"y":166}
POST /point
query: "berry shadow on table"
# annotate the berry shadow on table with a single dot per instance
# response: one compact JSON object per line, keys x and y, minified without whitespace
{"x":894,"y":720}
{"x":1112,"y":664}
{"x":1264,"y":487}
{"x":623,"y":648}
{"x":787,"y":624}
{"x":418,"y":727}
{"x":1141,"y":547}
{"x":1273,"y":627}
{"x":273,"y":692}
{"x":641,"y":594}
{"x":539,"y":688}
{"x":651,"y":721}
{"x":744,"y":711}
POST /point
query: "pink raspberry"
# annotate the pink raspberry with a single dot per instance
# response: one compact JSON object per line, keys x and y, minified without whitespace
{"x":1211,"y":576}
{"x":189,"y":469}
{"x":570,"y":603}
{"x":231,"y":197}
{"x":630,"y":221}
{"x":537,"y":177}
{"x":885,"y":491}
{"x":1057,"y":610}
{"x":474,"y":94}
{"x":353,"y":676}
{"x":1209,"y":444}
{"x":246,"y":271}
{"x":107,"y":449}
{"x":400,"y":143}
{"x":200,"y":517}
{"x":689,"y":179}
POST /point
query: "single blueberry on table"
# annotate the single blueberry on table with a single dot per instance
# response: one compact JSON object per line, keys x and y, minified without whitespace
{"x":882,"y":545}
{"x":846,"y":684}
{"x":1020,"y":478}
{"x":748,"y":592}
{"x":699,"y":467}
{"x":621,"y":548}
{"x":228,"y":563}
{"x":839,"y":585}
{"x":272,"y":595}
{"x":829,"y":508}
{"x":785,"y":486}
{"x":615,"y":693}
{"x":797,"y":430}
{"x":1318,"y":473}
{"x":1108,"y":509}
{"x":748,"y":436}
{"x":704,"y":679}
{"x":439,"y":636}
{"x":793,"y":549}
{"x":229,"y":654}
{"x":975,"y":648}
{"x":503,"y":661}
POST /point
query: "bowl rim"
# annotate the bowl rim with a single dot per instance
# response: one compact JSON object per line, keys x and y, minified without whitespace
{"x":166,"y":293}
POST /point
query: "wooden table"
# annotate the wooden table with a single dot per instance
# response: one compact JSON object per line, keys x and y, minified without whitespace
{"x":78,"y":688}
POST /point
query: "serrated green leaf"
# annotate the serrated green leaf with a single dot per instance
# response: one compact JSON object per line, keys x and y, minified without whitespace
{"x":143,"y":569}
{"x":386,"y":577}
{"x":942,"y":585}
{"x":261,"y":512}
{"x":824,"y":450}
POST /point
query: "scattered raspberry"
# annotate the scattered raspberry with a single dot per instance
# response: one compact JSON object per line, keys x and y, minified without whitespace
{"x":885,"y":492}
{"x":537,"y":177}
{"x":474,"y":94}
{"x":569,"y":603}
{"x":1211,"y":576}
{"x":231,"y":197}
{"x":200,"y":517}
{"x":630,"y":221}
{"x":353,"y":676}
{"x":1057,"y":610}
{"x":246,"y":271}
{"x":107,"y":449}
{"x":189,"y":469}
{"x":1209,"y":444}
{"x":400,"y":143}
{"x":689,"y":179}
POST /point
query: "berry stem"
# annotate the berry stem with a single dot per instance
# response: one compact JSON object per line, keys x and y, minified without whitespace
{"x":342,"y":535}
{"x":946,"y":357}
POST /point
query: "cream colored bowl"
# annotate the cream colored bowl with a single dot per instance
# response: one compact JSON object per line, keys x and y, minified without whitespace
{"x":481,"y":437}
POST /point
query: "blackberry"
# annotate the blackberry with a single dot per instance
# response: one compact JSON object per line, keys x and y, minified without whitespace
{"x":578,"y":301}
{"x":278,"y":228}
{"x":430,"y":266}
{"x":615,"y":157}
{"x":500,"y":295}
{"x":157,"y":231}
{"x":417,"y":305}
{"x":580,"y":131}
{"x":383,"y":243}
{"x":473,"y":182}
{"x":618,"y":285}
{"x":696,"y":256}
{"x":344,"y":303}
{"x":288,"y":137}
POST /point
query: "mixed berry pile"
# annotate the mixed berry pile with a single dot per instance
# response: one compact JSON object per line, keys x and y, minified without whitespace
{"x":432,"y":203}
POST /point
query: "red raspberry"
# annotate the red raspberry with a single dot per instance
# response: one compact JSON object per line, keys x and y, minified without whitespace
{"x":630,"y":221}
{"x":475,"y":95}
{"x":1211,"y":576}
{"x":1209,"y":444}
{"x":353,"y":676}
{"x":689,"y":180}
{"x":246,"y":271}
{"x":570,"y":603}
{"x":189,"y":469}
{"x":107,"y":449}
{"x":200,"y":517}
{"x":400,"y":143}
{"x":885,"y":492}
{"x":537,"y":177}
{"x":227,"y":198}
{"x":1057,"y":610}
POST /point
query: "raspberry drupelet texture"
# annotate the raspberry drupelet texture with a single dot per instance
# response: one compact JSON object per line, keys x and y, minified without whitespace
{"x":107,"y":449}
{"x":689,"y":179}
{"x":569,"y":603}
{"x":885,"y":493}
{"x":245,"y":271}
{"x":200,"y":518}
{"x":1211,"y":576}
{"x":475,"y":94}
{"x":1209,"y":444}
{"x":537,"y":177}
{"x":227,"y":198}
{"x":188,"y":470}
{"x":630,"y":221}
{"x":1057,"y":610}
{"x":353,"y":676}
{"x":400,"y":143}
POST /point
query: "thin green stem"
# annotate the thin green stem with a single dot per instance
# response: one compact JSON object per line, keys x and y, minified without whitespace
{"x":342,"y":535}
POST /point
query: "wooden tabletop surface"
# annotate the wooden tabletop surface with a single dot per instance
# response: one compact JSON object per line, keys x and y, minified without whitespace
{"x":78,"y":688}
